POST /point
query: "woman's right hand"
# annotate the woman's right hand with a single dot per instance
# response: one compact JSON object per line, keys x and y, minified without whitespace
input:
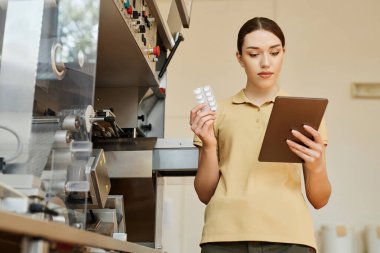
{"x":202,"y":124}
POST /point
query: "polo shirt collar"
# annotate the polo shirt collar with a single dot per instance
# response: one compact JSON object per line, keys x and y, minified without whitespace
{"x":241,"y":98}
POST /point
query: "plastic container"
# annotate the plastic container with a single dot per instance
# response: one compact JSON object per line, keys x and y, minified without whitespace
{"x":372,"y":239}
{"x":336,"y":239}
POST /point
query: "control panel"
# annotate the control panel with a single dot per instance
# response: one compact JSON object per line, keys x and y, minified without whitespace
{"x":143,"y":27}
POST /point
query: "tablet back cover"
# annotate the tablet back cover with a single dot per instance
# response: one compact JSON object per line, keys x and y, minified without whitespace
{"x":290,"y":113}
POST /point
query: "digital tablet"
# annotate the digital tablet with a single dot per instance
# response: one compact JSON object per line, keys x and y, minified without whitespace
{"x":290,"y":113}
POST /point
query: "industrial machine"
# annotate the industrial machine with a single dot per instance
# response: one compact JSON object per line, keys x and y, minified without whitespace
{"x":82,"y":102}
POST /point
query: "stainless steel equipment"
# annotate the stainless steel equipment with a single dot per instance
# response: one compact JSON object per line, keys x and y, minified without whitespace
{"x":58,"y":61}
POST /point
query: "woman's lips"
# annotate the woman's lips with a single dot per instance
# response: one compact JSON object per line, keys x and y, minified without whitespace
{"x":265,"y":74}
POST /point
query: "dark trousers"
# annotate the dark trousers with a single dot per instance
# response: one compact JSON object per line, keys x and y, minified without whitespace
{"x":254,"y":247}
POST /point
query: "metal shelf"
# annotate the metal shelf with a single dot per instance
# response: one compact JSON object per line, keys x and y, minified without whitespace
{"x":55,"y":232}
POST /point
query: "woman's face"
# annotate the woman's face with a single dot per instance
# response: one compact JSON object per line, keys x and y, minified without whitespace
{"x":262,"y":57}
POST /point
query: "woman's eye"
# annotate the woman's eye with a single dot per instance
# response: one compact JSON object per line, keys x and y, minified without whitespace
{"x":253,"y":55}
{"x":274,"y":53}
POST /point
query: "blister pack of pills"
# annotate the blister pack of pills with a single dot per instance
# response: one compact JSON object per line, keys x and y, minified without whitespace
{"x":205,"y":95}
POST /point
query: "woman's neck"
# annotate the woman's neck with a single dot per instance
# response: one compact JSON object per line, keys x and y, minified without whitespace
{"x":258,"y":95}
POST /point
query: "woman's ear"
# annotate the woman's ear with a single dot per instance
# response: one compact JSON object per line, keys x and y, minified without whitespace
{"x":239,"y":58}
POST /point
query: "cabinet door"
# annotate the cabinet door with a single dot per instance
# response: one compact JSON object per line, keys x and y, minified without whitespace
{"x":179,"y":219}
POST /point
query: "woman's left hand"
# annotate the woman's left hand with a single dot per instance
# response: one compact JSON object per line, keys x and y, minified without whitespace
{"x":312,"y":152}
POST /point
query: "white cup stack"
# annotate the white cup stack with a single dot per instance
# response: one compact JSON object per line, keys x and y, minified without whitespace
{"x":372,"y":237}
{"x":336,"y":239}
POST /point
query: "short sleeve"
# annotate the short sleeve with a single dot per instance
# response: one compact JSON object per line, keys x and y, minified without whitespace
{"x":323,"y":132}
{"x":197,"y":142}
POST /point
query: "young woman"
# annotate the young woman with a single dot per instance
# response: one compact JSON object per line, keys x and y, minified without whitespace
{"x":255,"y":206}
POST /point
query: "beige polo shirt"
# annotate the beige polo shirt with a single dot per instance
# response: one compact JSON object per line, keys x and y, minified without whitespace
{"x":254,"y":201}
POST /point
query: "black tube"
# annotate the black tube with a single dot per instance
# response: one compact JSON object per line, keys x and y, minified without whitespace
{"x":2,"y":164}
{"x":39,"y":208}
{"x":179,"y":39}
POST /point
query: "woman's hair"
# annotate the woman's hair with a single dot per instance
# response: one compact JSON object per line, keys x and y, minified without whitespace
{"x":259,"y":23}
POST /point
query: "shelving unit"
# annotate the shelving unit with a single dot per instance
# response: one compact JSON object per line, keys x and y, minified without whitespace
{"x":24,"y":226}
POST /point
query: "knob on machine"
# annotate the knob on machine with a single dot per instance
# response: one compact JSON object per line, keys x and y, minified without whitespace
{"x":153,"y":51}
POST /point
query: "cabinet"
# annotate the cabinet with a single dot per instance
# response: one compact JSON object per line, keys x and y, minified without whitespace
{"x":179,"y":222}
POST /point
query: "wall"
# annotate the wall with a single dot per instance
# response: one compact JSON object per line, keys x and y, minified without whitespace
{"x":330,"y":44}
